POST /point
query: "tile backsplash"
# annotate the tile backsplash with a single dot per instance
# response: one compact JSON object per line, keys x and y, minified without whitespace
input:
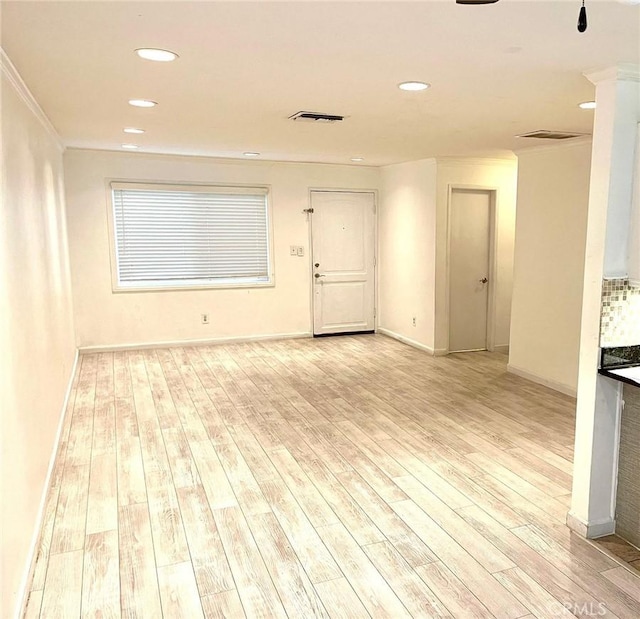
{"x":620,"y":316}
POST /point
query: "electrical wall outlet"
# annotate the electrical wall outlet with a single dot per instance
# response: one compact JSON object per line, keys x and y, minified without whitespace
{"x":205,"y":319}
{"x":300,"y":250}
{"x":293,"y":250}
{"x":413,"y":321}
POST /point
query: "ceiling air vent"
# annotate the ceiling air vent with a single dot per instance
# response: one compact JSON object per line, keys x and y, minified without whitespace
{"x":544,"y":134}
{"x":316,"y":117}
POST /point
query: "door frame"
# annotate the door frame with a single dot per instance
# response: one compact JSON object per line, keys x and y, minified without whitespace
{"x":493,"y":264}
{"x":309,"y":215}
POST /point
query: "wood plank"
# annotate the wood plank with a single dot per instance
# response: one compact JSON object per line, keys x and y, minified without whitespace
{"x":411,"y":547}
{"x":62,"y":595}
{"x":101,"y":578}
{"x":532,"y":595}
{"x":626,"y":580}
{"x":343,"y":504}
{"x":245,"y":487}
{"x":312,"y":502}
{"x":618,"y":601}
{"x":542,"y":501}
{"x":223,"y":605}
{"x":455,"y":597}
{"x":138,"y":579}
{"x":211,"y":567}
{"x":34,"y":604}
{"x":183,"y":467}
{"x":483,"y":551}
{"x":304,"y":539}
{"x":256,"y":590}
{"x":372,"y":589}
{"x":418,"y":599}
{"x":212,"y":475}
{"x":130,"y":471}
{"x":340,"y":599}
{"x":558,"y":584}
{"x":495,"y":597}
{"x":179,"y":592}
{"x":71,"y":512}
{"x":102,"y":508}
{"x":298,"y":596}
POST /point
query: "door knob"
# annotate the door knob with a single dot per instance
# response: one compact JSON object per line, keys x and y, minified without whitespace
{"x":317,"y":264}
{"x":318,"y":275}
{"x":484,"y":280}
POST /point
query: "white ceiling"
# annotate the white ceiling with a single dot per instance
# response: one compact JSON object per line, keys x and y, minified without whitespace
{"x":244,"y":67}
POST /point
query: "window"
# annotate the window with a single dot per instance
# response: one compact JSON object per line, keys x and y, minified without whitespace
{"x":169,"y":236}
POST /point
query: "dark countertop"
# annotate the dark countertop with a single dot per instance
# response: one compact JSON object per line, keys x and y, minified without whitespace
{"x":621,"y":363}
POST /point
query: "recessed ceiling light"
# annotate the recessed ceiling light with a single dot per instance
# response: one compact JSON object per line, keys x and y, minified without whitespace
{"x":357,"y":158}
{"x":251,"y":154}
{"x":142,"y":103}
{"x":130,"y":146}
{"x":159,"y":55}
{"x":588,"y":105}
{"x":413,"y":86}
{"x":133,"y":130}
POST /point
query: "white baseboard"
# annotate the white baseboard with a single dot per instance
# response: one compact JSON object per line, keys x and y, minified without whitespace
{"x":23,"y":591}
{"x":541,"y":380}
{"x":502,"y":348}
{"x":202,"y":342}
{"x":591,"y":530}
{"x":440,"y":352}
{"x":405,"y":340}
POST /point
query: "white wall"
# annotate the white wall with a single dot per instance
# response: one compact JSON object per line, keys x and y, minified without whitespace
{"x":501,"y":176}
{"x":407,"y":240}
{"x":553,"y":196}
{"x":104,"y":318}
{"x":37,"y":341}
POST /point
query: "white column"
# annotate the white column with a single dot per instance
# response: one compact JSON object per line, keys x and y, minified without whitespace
{"x":598,"y":410}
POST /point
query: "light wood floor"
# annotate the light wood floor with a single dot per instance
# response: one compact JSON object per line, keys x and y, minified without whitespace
{"x":340,"y":477}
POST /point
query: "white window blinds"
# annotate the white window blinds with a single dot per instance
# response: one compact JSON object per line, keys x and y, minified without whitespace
{"x":170,"y":236}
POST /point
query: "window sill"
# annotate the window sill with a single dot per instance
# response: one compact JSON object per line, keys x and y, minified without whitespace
{"x":229,"y":286}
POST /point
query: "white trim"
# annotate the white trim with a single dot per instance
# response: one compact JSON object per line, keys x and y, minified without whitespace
{"x":591,"y":530}
{"x":502,"y":348}
{"x":23,"y":591}
{"x":623,"y":71}
{"x":552,"y":384}
{"x":11,"y":73}
{"x":440,"y":352}
{"x":405,"y":340}
{"x":200,"y":342}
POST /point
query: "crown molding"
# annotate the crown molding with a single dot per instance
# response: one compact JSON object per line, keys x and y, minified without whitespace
{"x":621,"y":72}
{"x":14,"y":78}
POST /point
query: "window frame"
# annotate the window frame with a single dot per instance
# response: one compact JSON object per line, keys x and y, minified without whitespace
{"x":117,"y":287}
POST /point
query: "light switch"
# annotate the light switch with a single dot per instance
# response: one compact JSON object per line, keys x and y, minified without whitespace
{"x":293,"y":250}
{"x":300,"y":250}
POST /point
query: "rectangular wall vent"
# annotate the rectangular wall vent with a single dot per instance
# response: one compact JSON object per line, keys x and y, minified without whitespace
{"x":316,"y":117}
{"x":545,"y":134}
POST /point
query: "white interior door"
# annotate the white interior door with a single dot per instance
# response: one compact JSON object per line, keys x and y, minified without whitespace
{"x":469,"y":250}
{"x":343,"y":247}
